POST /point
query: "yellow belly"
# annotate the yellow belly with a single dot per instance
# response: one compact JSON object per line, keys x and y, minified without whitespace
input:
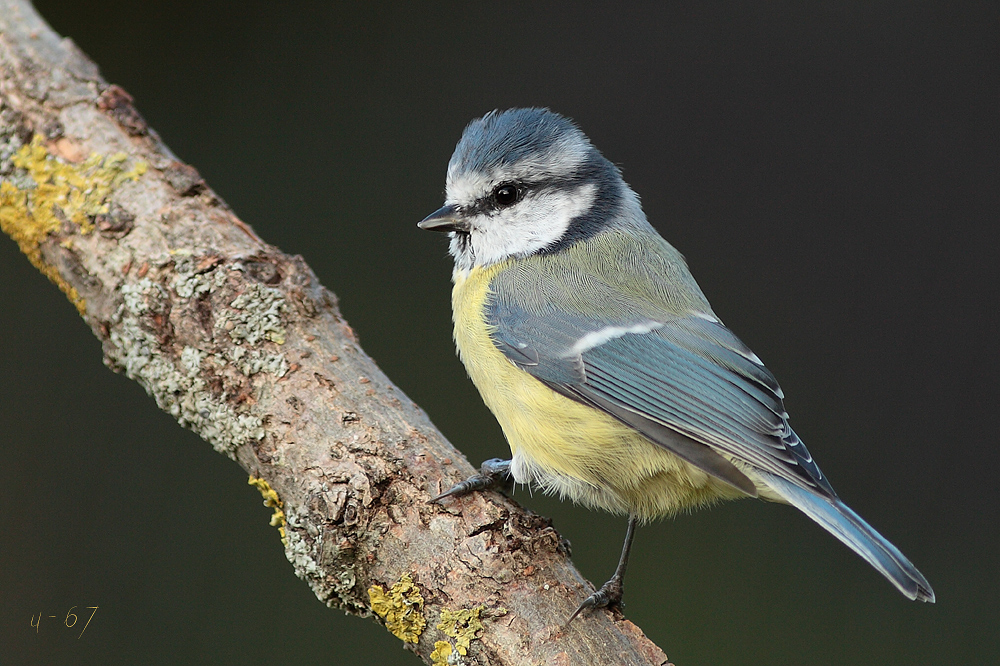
{"x":564,"y":446}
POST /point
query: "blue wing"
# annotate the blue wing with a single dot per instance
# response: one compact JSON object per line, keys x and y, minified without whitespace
{"x":687,"y":383}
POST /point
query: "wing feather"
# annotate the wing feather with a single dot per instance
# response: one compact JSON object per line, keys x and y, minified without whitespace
{"x":689,"y":375}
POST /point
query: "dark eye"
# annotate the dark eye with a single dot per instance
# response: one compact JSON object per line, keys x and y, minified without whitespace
{"x":506,"y":194}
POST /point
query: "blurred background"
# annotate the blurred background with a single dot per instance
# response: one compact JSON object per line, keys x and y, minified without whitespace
{"x":830,"y":171}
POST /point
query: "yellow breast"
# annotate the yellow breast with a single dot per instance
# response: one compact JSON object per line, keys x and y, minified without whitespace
{"x":564,"y":446}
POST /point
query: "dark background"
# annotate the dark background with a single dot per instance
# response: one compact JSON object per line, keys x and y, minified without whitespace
{"x":830,"y":170}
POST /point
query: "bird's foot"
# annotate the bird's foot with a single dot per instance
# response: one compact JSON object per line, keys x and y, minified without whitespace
{"x":494,"y":474}
{"x":609,"y":596}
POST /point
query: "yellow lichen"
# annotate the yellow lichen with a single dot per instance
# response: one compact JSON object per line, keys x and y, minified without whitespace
{"x":442,"y":650}
{"x":462,"y":626}
{"x":271,"y":500}
{"x":402,"y":609}
{"x":63,"y":193}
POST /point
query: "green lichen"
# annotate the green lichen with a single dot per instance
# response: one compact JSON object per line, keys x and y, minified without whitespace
{"x":58,"y":193}
{"x":461,"y":625}
{"x":272,"y":500}
{"x":402,"y":608}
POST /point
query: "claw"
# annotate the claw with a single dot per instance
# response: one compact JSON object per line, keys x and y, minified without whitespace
{"x":494,"y":474}
{"x":470,"y":485}
{"x":609,"y":596}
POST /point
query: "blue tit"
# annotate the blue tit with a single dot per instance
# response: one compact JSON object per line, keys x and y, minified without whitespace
{"x":615,"y":383}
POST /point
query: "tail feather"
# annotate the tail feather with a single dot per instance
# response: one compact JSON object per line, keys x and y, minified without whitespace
{"x":858,"y":535}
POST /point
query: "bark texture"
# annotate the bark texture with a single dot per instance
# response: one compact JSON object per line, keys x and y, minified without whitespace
{"x":240,"y":343}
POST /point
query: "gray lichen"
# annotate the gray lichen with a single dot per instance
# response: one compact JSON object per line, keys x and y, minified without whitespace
{"x":10,"y":143}
{"x":255,"y":316}
{"x":176,"y":384}
{"x":334,"y":592}
{"x":195,"y":285}
{"x":252,"y":361}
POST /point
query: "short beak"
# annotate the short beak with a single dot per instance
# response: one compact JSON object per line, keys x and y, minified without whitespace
{"x":446,"y":218}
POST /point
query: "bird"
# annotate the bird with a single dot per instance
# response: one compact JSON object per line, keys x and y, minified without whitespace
{"x":615,"y":383}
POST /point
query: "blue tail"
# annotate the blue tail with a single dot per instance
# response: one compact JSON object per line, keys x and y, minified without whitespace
{"x":858,"y":535}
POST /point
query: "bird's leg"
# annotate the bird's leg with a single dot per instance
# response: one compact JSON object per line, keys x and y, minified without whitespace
{"x":610,"y":594}
{"x":494,"y":474}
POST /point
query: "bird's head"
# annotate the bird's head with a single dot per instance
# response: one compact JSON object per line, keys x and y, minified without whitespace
{"x":525,"y":181}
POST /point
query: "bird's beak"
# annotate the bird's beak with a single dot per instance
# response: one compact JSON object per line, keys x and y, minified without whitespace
{"x":446,"y":218}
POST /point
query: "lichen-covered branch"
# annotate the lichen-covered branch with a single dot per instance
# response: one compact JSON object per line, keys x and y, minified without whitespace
{"x":240,"y":343}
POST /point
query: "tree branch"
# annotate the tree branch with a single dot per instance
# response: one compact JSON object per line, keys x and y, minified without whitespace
{"x":240,"y":343}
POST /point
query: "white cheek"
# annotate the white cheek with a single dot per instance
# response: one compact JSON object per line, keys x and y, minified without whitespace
{"x":532,"y":225}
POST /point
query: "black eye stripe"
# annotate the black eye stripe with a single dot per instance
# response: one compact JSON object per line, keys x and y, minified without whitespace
{"x":489,"y":204}
{"x":494,"y":201}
